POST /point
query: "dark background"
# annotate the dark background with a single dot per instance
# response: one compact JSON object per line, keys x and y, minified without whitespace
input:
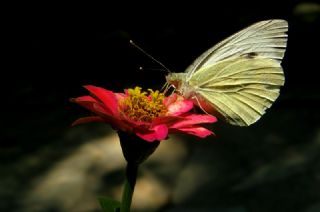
{"x":54,"y":49}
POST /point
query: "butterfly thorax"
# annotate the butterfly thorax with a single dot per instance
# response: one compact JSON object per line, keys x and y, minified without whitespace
{"x":180,"y":83}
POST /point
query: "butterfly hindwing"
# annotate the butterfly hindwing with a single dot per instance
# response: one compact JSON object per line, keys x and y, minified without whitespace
{"x":239,"y":89}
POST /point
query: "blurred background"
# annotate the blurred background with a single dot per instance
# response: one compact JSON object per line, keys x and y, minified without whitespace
{"x":55,"y":49}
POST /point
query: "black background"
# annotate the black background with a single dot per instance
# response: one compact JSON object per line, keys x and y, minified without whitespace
{"x":51,"y":50}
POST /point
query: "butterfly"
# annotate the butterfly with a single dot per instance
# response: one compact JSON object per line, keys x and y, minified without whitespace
{"x":240,"y":77}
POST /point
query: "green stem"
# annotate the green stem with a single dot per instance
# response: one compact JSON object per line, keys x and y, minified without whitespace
{"x":130,"y":181}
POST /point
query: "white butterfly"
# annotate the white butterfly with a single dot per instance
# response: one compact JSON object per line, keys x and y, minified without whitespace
{"x":240,"y":77}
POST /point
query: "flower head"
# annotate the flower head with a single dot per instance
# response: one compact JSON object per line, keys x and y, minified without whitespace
{"x":150,"y":115}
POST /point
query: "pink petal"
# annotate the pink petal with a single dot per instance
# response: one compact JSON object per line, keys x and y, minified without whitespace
{"x":85,"y":101}
{"x":91,"y":104}
{"x":167,"y":120}
{"x":157,"y":133}
{"x":140,"y":125}
{"x":118,"y":124}
{"x":114,"y":123}
{"x":108,"y":98}
{"x":194,"y":119}
{"x":170,"y":99}
{"x":87,"y":120}
{"x":119,"y":96}
{"x":197,"y":131}
{"x":179,"y":107}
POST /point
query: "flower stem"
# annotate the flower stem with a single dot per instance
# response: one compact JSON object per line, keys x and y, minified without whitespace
{"x":130,"y":181}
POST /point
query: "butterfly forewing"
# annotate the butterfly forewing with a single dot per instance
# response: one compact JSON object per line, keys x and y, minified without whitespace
{"x":266,"y":38}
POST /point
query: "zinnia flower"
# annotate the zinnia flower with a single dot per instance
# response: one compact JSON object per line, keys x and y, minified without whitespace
{"x":149,"y":115}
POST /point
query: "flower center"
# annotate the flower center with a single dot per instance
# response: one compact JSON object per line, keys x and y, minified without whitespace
{"x":143,"y":106}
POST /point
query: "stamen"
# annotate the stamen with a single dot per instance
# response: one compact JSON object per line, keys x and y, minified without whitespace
{"x":143,"y":106}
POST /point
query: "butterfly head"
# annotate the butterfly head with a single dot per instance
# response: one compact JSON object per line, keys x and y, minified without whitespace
{"x":180,"y":83}
{"x":176,"y":80}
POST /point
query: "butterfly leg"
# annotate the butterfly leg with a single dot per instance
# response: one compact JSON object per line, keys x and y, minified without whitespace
{"x":199,"y":104}
{"x":166,"y":87}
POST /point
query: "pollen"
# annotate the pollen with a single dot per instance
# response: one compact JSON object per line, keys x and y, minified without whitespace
{"x":143,"y":106}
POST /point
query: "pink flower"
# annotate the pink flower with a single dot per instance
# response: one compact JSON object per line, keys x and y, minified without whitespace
{"x":150,"y":115}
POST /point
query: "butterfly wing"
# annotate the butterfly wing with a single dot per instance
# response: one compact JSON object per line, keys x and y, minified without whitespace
{"x":239,"y":89}
{"x":241,"y":76}
{"x":266,"y":38}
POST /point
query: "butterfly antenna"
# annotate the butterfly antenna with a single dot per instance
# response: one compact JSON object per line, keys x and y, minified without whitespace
{"x":152,"y":69}
{"x":146,"y":53}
